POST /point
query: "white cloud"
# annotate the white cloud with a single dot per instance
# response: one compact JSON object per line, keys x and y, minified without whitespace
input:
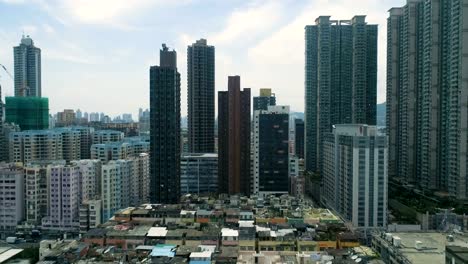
{"x":48,"y":28}
{"x":112,"y":13}
{"x":29,"y":29}
{"x":247,"y":23}
{"x":14,"y":2}
{"x":278,"y":60}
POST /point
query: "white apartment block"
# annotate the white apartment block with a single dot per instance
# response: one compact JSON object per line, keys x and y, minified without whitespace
{"x":35,"y":145}
{"x":355,"y":174}
{"x":63,"y":201}
{"x":124,"y":183}
{"x":11,"y":198}
{"x":107,"y":136}
{"x":90,"y":179}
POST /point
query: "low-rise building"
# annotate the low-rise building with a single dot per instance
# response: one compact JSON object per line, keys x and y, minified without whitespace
{"x":90,"y":215}
{"x":416,"y":247}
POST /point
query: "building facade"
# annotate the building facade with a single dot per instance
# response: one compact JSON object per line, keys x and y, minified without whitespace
{"x":27,"y":60}
{"x":35,"y":145}
{"x":299,"y":138}
{"x":69,"y":143}
{"x":271,"y":151}
{"x":36,"y":194}
{"x":63,"y":198}
{"x":3,"y":147}
{"x":199,"y":173}
{"x":201,"y":96}
{"x":340,"y":79}
{"x":165,"y":129}
{"x":265,"y":99}
{"x":234,"y":138}
{"x":90,"y":178}
{"x":355,"y":174}
{"x":11,"y":198}
{"x":66,"y":118}
{"x":427,"y":63}
{"x":90,"y":215}
{"x":107,"y":136}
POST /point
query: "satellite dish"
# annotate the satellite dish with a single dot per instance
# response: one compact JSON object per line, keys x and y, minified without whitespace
{"x":358,"y":260}
{"x":353,"y":257}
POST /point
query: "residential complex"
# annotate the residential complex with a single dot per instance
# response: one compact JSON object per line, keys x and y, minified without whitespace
{"x":107,"y":136}
{"x":69,"y":143}
{"x":35,"y":145}
{"x":234,"y":138}
{"x":201,"y":96}
{"x":426,"y":95}
{"x":355,"y":175}
{"x":340,"y":79}
{"x":165,"y":129}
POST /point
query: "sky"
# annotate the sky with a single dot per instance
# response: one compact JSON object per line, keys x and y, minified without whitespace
{"x":96,"y":54}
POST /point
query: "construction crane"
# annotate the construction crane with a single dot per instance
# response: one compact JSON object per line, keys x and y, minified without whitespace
{"x":24,"y":89}
{"x":9,"y":74}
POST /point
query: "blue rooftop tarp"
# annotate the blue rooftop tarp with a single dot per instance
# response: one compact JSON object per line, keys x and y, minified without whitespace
{"x":163,"y":250}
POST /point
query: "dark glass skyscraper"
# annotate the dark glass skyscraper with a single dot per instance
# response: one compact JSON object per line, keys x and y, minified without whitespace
{"x":165,"y":129}
{"x":271,"y":151}
{"x":265,"y":99}
{"x":299,"y":138}
{"x":234,"y":138}
{"x":27,"y":60}
{"x":340,"y":79}
{"x":201,"y":96}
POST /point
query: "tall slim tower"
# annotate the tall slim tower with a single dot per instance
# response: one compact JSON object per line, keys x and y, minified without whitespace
{"x":27,"y":60}
{"x":340,"y":79}
{"x":3,"y":147}
{"x":165,"y":129}
{"x":201,"y":96}
{"x":234,"y":138}
{"x":427,"y":91}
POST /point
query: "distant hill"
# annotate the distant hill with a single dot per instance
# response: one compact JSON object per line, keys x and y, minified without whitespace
{"x":296,"y":115}
{"x":381,"y":114}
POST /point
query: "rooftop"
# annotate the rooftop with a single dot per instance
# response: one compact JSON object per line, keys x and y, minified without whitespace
{"x":157,"y":232}
{"x":432,"y":246}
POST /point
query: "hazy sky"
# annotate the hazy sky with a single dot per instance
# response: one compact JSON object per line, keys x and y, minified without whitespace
{"x":96,"y":53}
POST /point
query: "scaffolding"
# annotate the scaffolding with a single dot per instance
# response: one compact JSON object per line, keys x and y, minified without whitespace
{"x":29,"y":113}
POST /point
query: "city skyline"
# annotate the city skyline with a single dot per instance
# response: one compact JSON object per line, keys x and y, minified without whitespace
{"x":71,"y":48}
